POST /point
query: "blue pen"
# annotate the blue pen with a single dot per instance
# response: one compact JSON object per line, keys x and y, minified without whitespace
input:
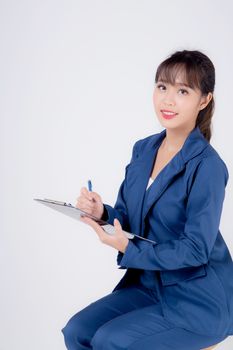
{"x":89,"y":185}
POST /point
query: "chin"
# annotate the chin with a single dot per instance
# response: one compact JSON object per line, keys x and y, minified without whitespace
{"x":170,"y":124}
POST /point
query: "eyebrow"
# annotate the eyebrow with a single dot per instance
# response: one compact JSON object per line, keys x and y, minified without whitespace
{"x":180,"y":84}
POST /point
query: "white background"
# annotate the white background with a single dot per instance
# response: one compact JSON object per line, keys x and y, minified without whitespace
{"x":76,"y":80}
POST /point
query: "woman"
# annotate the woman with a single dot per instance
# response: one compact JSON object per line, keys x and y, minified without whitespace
{"x":176,"y":293}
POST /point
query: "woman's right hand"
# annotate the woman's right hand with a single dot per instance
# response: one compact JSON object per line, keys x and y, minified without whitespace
{"x":90,"y":202}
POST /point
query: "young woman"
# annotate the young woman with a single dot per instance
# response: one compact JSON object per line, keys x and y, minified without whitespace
{"x":176,"y":293}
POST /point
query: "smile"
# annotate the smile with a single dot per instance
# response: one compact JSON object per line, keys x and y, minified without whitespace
{"x":168,"y":114}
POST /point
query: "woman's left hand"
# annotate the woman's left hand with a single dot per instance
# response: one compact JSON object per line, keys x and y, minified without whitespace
{"x":118,"y":241}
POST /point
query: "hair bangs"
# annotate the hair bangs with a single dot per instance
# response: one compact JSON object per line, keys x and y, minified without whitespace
{"x":169,"y":72}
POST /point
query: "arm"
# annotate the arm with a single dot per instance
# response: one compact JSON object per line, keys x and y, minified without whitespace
{"x":203,"y":212}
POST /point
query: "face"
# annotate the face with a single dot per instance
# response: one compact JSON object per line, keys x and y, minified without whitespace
{"x":181,"y":100}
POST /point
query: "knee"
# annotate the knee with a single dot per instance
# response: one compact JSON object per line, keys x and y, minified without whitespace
{"x":75,"y":331}
{"x":69,"y":332}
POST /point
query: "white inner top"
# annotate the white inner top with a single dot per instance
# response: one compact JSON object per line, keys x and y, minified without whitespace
{"x":150,"y":182}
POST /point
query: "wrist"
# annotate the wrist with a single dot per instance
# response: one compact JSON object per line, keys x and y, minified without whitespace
{"x":104,"y":215}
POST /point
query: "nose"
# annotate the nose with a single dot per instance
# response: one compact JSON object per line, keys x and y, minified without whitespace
{"x":169,"y":99}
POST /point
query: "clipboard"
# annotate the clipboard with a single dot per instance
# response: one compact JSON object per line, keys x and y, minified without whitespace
{"x":76,"y":213}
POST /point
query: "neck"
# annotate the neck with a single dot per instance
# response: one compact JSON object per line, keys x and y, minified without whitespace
{"x":174,"y":139}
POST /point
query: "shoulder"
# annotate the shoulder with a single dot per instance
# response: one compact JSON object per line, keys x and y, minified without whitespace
{"x":210,"y":165}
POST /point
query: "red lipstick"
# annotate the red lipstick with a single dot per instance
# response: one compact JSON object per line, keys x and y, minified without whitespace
{"x":168,"y":114}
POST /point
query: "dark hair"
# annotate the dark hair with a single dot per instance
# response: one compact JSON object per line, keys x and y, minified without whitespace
{"x":199,"y":72}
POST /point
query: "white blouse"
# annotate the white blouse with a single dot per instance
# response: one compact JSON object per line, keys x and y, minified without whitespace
{"x":149,"y":182}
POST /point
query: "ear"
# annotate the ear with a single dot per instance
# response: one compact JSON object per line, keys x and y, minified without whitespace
{"x":205,"y":100}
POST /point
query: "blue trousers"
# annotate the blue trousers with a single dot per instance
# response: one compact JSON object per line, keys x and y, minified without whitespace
{"x":129,"y":318}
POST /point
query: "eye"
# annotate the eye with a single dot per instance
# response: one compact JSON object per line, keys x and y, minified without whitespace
{"x":185,"y":92}
{"x":160,"y":85}
{"x":163,"y":87}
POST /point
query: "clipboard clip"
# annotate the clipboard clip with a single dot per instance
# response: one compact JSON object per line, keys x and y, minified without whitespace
{"x":58,"y":202}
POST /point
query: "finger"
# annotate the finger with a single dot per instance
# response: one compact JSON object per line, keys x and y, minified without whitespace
{"x":86,"y":193}
{"x":88,"y":208}
{"x":91,"y":195}
{"x":94,"y":197}
{"x":118,"y":229}
{"x":117,"y":226}
{"x":84,"y":203}
{"x":117,"y":222}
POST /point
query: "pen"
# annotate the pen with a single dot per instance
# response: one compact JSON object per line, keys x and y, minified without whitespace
{"x":89,"y":185}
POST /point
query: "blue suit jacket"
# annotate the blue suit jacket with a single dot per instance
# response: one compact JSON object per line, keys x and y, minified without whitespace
{"x":181,"y":211}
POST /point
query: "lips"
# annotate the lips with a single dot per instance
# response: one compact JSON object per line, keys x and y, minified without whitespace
{"x":168,"y":114}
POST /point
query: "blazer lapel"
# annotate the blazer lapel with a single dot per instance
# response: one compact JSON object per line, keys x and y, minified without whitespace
{"x":140,"y":170}
{"x":193,"y":145}
{"x":162,"y":181}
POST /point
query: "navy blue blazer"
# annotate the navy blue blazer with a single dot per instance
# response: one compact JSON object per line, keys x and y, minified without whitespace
{"x":181,"y":211}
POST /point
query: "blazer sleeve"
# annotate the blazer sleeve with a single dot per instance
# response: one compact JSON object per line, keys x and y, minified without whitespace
{"x":203,"y":213}
{"x":119,"y":210}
